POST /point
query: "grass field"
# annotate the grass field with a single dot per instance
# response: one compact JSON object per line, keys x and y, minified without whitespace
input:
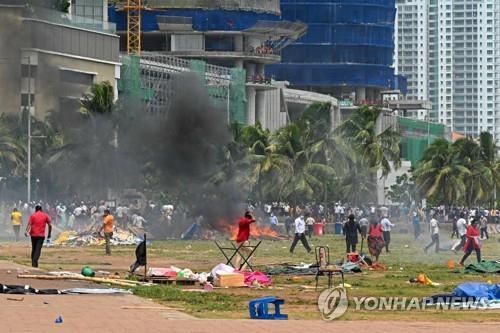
{"x":406,"y":260}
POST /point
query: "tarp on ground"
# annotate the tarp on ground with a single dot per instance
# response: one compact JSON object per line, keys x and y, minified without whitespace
{"x":478,"y":290}
{"x":483,"y":267}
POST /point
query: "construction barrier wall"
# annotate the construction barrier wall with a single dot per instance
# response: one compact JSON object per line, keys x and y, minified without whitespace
{"x":348,"y":43}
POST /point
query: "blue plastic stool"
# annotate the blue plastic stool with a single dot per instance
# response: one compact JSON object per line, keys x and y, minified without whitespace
{"x":259,"y":308}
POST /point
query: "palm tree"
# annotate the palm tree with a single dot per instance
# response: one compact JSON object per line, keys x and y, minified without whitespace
{"x":441,"y":175}
{"x":489,"y":156}
{"x":306,"y":142}
{"x":377,"y":150}
{"x":358,"y":185}
{"x":477,"y":158}
{"x":12,"y":152}
{"x":100,"y":100}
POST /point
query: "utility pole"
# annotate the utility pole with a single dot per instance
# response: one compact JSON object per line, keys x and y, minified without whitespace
{"x":29,"y":129}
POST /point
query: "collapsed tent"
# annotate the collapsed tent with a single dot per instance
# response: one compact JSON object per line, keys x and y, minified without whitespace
{"x":478,"y":290}
{"x":470,"y":294}
{"x":483,"y":267}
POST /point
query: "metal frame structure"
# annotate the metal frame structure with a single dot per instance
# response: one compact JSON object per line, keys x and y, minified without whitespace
{"x":156,"y":76}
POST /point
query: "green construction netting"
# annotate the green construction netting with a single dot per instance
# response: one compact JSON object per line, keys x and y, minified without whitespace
{"x":238,"y":95}
{"x":219,"y":93}
{"x":413,"y":148}
{"x":198,"y":67}
{"x":418,"y":126}
{"x":235,"y":99}
{"x":416,"y":136}
{"x":130,"y":81}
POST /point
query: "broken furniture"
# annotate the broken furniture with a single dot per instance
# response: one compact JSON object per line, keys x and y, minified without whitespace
{"x":325,"y":267}
{"x":230,"y":252}
{"x":259,"y":308}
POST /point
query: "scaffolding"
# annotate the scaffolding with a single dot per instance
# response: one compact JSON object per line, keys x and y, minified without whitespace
{"x":150,"y":78}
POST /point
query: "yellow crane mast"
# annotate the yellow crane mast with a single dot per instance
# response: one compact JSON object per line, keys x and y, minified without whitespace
{"x":133,"y":9}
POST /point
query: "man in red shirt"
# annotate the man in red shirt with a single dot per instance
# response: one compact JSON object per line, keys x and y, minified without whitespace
{"x":36,"y":229}
{"x":243,"y":235}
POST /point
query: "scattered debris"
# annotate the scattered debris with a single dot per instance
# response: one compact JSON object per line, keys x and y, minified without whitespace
{"x":423,"y":279}
{"x":122,"y":283}
{"x":93,"y":237}
{"x":15,"y":299}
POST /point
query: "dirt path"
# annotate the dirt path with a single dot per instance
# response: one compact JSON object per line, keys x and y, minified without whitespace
{"x":104,"y":313}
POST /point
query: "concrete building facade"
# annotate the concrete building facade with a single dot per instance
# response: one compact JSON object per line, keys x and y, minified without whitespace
{"x":449,"y":52}
{"x":53,"y":60}
{"x":411,"y":35}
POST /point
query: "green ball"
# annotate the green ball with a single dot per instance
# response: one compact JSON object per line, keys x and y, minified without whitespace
{"x":88,"y":272}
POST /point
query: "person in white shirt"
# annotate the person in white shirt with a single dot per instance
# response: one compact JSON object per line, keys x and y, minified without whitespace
{"x":386,"y":231}
{"x":342,"y":213}
{"x":138,"y":221}
{"x":462,"y":230}
{"x":300,"y":229}
{"x":434,"y":225}
{"x":337,"y":212}
{"x":310,"y":225}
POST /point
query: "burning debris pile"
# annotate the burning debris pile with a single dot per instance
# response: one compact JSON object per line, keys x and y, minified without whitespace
{"x":256,"y":231}
{"x":229,"y":230}
{"x":89,"y":238}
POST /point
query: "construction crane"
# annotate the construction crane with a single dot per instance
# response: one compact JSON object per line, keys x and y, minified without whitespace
{"x":133,"y":9}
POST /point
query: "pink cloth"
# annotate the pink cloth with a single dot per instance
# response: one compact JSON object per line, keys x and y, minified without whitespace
{"x":259,"y":277}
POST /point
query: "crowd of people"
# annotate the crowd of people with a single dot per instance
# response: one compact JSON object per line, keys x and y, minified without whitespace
{"x":371,"y":223}
{"x":102,"y":217}
{"x":78,"y":215}
{"x":375,"y":223}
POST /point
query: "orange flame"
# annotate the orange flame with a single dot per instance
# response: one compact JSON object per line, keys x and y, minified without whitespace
{"x":256,"y":231}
